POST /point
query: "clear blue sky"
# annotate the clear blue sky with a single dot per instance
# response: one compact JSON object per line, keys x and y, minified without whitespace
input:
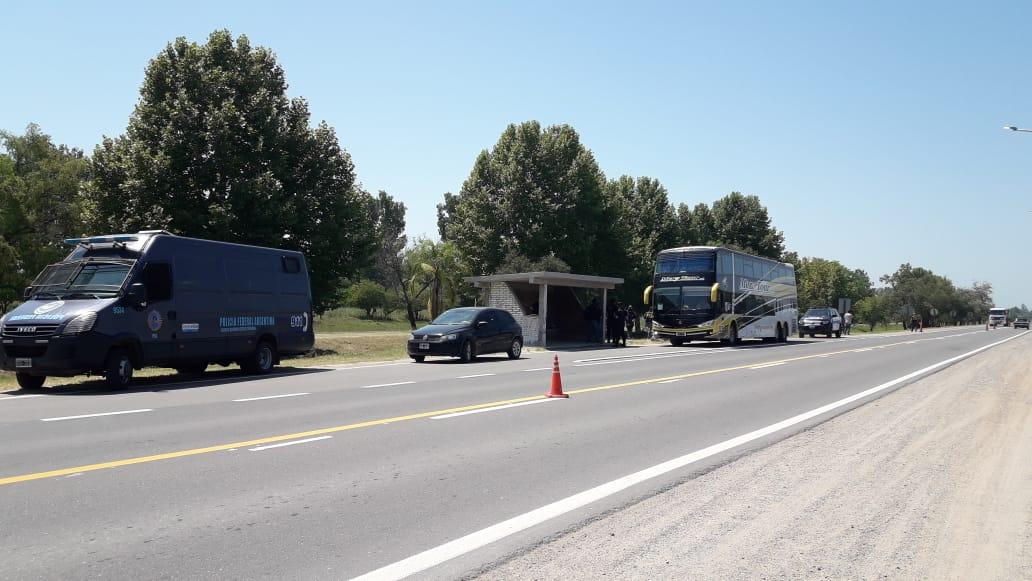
{"x":881,"y":116}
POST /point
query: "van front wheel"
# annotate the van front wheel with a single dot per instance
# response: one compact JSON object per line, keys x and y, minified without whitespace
{"x":30,"y":382}
{"x":118,"y":370}
{"x":262,"y":360}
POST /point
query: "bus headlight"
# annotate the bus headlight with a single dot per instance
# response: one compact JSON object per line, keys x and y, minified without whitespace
{"x":80,"y":324}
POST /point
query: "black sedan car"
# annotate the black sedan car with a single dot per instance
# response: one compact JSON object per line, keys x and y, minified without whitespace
{"x":467,"y":332}
{"x":1021,"y":324}
{"x":821,"y":320}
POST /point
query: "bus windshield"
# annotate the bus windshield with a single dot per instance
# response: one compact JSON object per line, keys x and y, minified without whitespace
{"x":687,"y":300}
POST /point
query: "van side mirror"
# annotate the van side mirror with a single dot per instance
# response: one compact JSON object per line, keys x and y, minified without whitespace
{"x":27,"y":294}
{"x":137,"y":295}
{"x":481,"y":324}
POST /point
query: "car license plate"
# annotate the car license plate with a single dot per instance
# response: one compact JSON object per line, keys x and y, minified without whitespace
{"x":23,"y":362}
{"x":424,"y":346}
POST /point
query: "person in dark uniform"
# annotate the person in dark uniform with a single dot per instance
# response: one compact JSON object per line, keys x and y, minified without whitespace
{"x":620,"y":325}
{"x":632,"y":318}
{"x":593,"y":316}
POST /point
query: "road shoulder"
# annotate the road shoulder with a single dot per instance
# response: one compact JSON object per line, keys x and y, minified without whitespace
{"x":933,"y":481}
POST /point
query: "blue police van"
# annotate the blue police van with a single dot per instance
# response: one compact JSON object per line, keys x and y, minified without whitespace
{"x":127,"y":301}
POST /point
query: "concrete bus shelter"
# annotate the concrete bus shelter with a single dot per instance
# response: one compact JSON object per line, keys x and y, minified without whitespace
{"x":529,"y":295}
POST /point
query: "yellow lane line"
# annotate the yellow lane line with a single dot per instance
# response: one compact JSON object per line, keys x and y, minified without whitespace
{"x":385,"y":421}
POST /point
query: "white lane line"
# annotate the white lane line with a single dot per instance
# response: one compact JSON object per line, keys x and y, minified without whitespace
{"x":22,"y":396}
{"x":282,"y":444}
{"x":462,"y":545}
{"x":861,"y":350}
{"x":537,"y":369}
{"x":95,"y":415}
{"x":370,"y":366}
{"x":474,"y":375}
{"x":670,"y":380}
{"x":386,"y":384}
{"x":766,"y":365}
{"x":272,"y":396}
{"x":494,"y":409}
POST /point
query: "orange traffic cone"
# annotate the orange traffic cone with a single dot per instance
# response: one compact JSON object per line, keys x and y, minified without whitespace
{"x":557,"y":381}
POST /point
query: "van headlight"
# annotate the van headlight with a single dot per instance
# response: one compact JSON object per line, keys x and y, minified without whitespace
{"x":80,"y":324}
{"x":411,"y":336}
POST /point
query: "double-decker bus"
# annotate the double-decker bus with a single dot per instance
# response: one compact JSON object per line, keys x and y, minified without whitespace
{"x":715,"y":293}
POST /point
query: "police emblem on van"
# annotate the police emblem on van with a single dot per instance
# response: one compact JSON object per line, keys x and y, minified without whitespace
{"x":154,"y":321}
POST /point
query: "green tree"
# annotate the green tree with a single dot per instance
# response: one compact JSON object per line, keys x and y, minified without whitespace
{"x":872,"y":310}
{"x":743,"y":222}
{"x":215,"y":149}
{"x":437,"y":271}
{"x":40,"y":205}
{"x":366,"y":295}
{"x":821,"y":282}
{"x":514,"y":262}
{"x":650,"y":225}
{"x":696,"y":225}
{"x":389,"y":267}
{"x":537,"y":191}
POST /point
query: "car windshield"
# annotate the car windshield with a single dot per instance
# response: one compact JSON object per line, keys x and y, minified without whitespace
{"x":456,"y":317}
{"x":90,"y":277}
{"x":818,"y":313}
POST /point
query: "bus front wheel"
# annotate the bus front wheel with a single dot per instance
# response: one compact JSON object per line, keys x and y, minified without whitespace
{"x":677,"y":341}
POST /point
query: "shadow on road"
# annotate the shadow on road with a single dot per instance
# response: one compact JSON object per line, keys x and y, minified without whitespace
{"x":163,"y":383}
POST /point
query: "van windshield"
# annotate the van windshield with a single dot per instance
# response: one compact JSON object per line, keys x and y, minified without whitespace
{"x":91,"y":278}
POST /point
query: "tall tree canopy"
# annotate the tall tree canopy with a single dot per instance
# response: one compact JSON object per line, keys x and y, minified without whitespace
{"x":536,"y":192}
{"x":649,"y":224}
{"x":736,"y":221}
{"x":215,"y":149}
{"x":823,"y":282}
{"x":40,"y":205}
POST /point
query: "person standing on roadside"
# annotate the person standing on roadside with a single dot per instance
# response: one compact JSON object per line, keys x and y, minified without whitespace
{"x":848,"y":319}
{"x":632,"y":318}
{"x":610,"y":316}
{"x":593,"y":315}
{"x":619,"y":323}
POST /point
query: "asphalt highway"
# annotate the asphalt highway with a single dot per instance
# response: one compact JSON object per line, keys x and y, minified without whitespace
{"x":389,"y":469}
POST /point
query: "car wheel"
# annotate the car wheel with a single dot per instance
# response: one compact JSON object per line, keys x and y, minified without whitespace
{"x":466,"y":352}
{"x":194,"y":369}
{"x":802,"y":335}
{"x":30,"y":382}
{"x":118,"y":370}
{"x":261,"y":361}
{"x":515,"y":349}
{"x":813,"y":335}
{"x":838,"y":334}
{"x":677,"y":341}
{"x":419,"y":358}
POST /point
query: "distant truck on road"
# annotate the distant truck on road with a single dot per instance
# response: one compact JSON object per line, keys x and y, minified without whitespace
{"x":122,"y":302}
{"x":998,"y":317}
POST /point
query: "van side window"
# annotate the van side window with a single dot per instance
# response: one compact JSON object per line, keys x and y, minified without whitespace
{"x":291,"y":265}
{"x":157,"y":277}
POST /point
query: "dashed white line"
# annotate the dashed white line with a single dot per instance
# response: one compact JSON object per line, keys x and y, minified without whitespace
{"x":272,"y":396}
{"x":95,"y":415}
{"x":670,"y":380}
{"x":766,"y":365}
{"x":864,"y":349}
{"x":386,"y":384}
{"x":21,"y":396}
{"x":295,"y":442}
{"x":536,"y":369}
{"x":475,"y":375}
{"x":494,"y":409}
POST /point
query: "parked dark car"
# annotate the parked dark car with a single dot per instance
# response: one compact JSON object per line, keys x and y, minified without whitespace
{"x":821,"y":320}
{"x":467,"y":332}
{"x":1021,"y":324}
